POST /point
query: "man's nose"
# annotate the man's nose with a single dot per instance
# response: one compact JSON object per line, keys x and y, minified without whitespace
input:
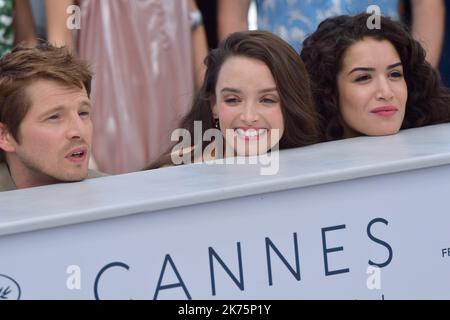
{"x":75,"y":128}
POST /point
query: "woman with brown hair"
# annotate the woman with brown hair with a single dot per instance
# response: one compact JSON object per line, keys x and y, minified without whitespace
{"x":371,"y":81}
{"x":256,"y":92}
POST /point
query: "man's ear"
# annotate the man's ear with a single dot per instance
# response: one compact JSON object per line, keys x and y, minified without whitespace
{"x":6,"y":139}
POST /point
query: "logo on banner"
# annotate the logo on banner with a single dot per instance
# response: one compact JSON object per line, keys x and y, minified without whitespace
{"x":9,"y":288}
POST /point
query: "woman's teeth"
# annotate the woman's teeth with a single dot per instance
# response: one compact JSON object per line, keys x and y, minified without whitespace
{"x":251,"y":133}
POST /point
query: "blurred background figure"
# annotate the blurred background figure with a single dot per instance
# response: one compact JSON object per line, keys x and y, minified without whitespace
{"x":144,"y":67}
{"x":295,"y":20}
{"x":426,"y":19}
{"x":38,"y":11}
{"x":208,"y":9}
{"x":444,"y":66}
{"x":428,"y":27}
{"x":16,"y":24}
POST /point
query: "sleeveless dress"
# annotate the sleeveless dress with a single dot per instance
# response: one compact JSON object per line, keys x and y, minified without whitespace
{"x":294,"y":20}
{"x":140,"y":52}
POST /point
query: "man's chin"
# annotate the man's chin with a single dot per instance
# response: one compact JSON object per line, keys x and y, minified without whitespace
{"x":73,"y":177}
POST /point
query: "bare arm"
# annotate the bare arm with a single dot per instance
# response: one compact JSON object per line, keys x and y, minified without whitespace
{"x":57,"y":32}
{"x":232,"y":16}
{"x":24,"y":29}
{"x":199,"y":48}
{"x":428,"y":27}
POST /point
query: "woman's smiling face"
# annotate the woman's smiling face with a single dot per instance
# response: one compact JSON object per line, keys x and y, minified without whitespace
{"x":248,"y":106}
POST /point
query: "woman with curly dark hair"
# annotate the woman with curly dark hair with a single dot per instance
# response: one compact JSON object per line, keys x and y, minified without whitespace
{"x":255,"y":84}
{"x":371,"y":81}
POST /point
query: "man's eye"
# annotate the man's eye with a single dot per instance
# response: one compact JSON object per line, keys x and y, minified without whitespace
{"x":84,"y":114}
{"x":53,"y":117}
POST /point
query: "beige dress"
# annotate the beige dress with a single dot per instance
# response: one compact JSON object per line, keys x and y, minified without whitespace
{"x":140,"y":52}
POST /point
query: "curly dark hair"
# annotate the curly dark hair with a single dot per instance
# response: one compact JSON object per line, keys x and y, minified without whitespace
{"x":323,"y":51}
{"x":290,"y":75}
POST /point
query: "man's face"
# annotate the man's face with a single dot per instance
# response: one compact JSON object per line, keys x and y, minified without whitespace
{"x":54,"y":139}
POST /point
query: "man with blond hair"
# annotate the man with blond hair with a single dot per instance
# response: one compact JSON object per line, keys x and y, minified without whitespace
{"x":45,"y":118}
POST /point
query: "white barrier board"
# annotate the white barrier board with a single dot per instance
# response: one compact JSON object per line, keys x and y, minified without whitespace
{"x":346,"y":226}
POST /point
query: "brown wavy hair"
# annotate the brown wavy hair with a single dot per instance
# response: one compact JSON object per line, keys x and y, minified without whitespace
{"x":292,"y":81}
{"x":323,"y":51}
{"x":22,"y":66}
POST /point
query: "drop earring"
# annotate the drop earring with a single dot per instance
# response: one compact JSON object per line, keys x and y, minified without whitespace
{"x":217,"y":124}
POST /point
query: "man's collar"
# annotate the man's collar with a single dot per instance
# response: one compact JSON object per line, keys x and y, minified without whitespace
{"x":6,"y":181}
